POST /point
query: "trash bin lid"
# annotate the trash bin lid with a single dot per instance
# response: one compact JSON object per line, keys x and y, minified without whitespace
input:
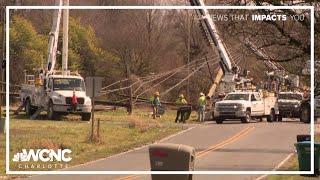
{"x":307,"y":145}
{"x":175,"y":147}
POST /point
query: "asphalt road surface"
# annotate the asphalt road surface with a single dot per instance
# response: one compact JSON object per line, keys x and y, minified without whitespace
{"x":231,"y":146}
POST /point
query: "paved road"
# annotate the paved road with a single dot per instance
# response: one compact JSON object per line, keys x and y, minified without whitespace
{"x":230,"y":146}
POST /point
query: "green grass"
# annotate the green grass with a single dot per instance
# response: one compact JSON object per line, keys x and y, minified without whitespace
{"x":119,"y":132}
{"x":142,"y":114}
{"x":293,"y":165}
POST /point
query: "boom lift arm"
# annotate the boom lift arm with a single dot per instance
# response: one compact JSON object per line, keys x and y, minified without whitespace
{"x":53,"y":38}
{"x":213,"y":35}
{"x":215,"y":41}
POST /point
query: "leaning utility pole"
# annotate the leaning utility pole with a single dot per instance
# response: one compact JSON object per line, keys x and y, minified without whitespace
{"x":188,"y":55}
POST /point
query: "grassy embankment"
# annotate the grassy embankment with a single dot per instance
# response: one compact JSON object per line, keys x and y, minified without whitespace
{"x":119,"y":132}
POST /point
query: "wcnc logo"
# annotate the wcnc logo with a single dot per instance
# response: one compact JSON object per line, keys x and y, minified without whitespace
{"x":44,"y":155}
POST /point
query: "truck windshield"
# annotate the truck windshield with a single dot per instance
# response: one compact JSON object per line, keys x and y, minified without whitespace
{"x":68,"y":84}
{"x":290,"y":96}
{"x":237,"y":97}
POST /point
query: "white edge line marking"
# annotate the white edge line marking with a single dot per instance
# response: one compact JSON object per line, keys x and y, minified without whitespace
{"x":131,"y":150}
{"x":277,"y":167}
{"x":134,"y":149}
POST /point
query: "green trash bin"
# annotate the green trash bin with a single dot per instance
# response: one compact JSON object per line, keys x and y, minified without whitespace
{"x":304,"y":156}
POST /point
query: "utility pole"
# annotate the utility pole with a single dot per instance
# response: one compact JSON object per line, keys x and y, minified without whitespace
{"x":128,"y":75}
{"x":92,"y":111}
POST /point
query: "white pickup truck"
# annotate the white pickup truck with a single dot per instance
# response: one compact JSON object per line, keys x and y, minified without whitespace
{"x":245,"y":106}
{"x":55,"y":96}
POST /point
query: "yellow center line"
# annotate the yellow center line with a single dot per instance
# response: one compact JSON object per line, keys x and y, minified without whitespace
{"x":209,"y":149}
{"x":225,"y":142}
{"x":129,"y":177}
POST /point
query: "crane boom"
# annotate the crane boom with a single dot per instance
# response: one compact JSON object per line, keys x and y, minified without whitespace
{"x":213,"y":35}
{"x":53,"y":38}
{"x":225,"y":72}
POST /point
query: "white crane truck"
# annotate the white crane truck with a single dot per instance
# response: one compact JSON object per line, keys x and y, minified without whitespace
{"x":56,"y":91}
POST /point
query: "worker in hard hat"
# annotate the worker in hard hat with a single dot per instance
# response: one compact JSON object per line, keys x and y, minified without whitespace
{"x":202,"y":107}
{"x":155,"y":104}
{"x":180,"y":102}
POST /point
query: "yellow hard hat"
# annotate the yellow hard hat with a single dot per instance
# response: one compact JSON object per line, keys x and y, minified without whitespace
{"x":181,"y":96}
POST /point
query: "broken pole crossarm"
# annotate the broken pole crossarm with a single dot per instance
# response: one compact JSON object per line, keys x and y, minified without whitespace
{"x":156,"y":85}
{"x":112,"y":84}
{"x":191,"y":74}
{"x":174,"y":73}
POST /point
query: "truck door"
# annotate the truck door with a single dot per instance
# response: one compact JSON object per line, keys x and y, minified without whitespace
{"x":257,"y":105}
{"x":49,"y":88}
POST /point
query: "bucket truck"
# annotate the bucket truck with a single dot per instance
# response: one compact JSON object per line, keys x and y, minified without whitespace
{"x":58,"y":92}
{"x":228,"y":80}
{"x":286,"y":85}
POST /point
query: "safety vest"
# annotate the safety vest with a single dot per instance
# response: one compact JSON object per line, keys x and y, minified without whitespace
{"x":181,"y":101}
{"x":151,"y":99}
{"x":202,"y":101}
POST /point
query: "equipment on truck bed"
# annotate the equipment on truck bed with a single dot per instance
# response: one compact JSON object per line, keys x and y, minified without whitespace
{"x":53,"y":90}
{"x":278,"y":79}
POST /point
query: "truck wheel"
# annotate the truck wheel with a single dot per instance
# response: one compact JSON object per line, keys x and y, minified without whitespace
{"x":305,"y":115}
{"x":247,"y":118}
{"x":85,"y":117}
{"x":272,"y":116}
{"x":279,"y":118}
{"x":30,"y":110}
{"x":50,"y":112}
{"x":219,"y":120}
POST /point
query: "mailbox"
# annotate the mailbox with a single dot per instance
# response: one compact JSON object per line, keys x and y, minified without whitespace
{"x":171,"y":157}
